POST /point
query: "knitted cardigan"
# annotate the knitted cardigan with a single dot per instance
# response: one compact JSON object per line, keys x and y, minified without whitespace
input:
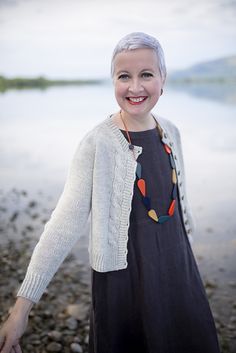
{"x":99,"y":190}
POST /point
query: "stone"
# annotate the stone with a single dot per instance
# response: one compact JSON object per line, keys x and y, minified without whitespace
{"x":71,"y":323}
{"x":77,"y":311}
{"x":76,"y":348}
{"x":54,"y":347}
{"x":86,"y":340}
{"x":55,"y":335}
{"x":210,"y":284}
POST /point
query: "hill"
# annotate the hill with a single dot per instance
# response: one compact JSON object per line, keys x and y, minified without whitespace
{"x":219,"y":70}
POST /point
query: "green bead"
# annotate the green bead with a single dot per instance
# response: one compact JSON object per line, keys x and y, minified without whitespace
{"x":163,"y":219}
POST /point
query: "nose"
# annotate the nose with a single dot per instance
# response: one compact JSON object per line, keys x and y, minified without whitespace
{"x":135,"y":86}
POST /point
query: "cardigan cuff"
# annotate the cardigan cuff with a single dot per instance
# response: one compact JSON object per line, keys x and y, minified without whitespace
{"x":33,"y":287}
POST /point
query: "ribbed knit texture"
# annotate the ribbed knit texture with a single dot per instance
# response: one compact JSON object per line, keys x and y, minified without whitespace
{"x":98,"y":190}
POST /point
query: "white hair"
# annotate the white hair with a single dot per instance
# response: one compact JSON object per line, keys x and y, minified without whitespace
{"x":140,"y":40}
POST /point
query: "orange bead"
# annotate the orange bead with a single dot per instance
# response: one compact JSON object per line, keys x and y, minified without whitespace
{"x":171,"y":208}
{"x":142,"y":186}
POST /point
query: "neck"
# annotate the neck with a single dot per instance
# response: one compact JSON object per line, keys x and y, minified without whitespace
{"x":137,"y":123}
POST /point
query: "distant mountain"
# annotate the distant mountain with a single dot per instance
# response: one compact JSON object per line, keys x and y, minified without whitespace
{"x":220,"y":70}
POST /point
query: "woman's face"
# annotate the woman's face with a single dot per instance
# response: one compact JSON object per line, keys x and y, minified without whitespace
{"x":137,"y":81}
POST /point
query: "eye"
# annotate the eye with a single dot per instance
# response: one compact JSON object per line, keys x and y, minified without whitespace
{"x":123,"y":77}
{"x":147,"y":74}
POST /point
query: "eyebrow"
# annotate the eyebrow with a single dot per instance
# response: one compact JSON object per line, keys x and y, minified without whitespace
{"x":125,"y":71}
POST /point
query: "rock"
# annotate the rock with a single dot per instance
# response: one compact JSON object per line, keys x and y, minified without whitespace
{"x":14,"y":216}
{"x":71,"y":323}
{"x":231,"y":327}
{"x":233,"y":319}
{"x":86,"y":340}
{"x":76,"y":348}
{"x":221,"y":269}
{"x":55,"y":335}
{"x":54,"y":347}
{"x":78,"y":311}
{"x":232,"y":284}
{"x":210,"y":284}
{"x":209,"y":292}
{"x":32,"y":204}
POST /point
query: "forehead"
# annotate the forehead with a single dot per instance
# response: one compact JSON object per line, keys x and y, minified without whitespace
{"x":136,"y":59}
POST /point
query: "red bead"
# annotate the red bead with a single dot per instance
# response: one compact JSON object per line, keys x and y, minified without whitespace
{"x":142,"y":186}
{"x":171,"y":208}
{"x":167,"y":148}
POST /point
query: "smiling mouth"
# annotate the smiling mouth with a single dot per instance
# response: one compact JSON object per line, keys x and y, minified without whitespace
{"x":136,"y":100}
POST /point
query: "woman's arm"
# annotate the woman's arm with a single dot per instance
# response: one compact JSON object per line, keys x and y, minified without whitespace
{"x":66,"y":224}
{"x":15,"y":326}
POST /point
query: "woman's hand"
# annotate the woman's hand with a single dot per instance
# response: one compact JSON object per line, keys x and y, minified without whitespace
{"x":15,"y":326}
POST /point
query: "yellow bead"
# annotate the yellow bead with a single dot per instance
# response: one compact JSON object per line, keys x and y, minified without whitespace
{"x":153,"y":215}
{"x":174,"y":177}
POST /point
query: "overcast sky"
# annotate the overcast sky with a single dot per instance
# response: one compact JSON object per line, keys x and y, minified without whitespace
{"x":75,"y":38}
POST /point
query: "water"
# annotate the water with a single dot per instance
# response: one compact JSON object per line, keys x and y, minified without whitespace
{"x":41,"y":129}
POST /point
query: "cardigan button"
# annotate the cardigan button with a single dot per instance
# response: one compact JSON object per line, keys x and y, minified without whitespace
{"x":186,"y":222}
{"x":185,"y":210}
{"x":178,"y":172}
{"x":175,"y":157}
{"x":171,"y":143}
{"x":182,"y":197}
{"x":131,"y":147}
{"x":189,"y":230}
{"x":165,"y":135}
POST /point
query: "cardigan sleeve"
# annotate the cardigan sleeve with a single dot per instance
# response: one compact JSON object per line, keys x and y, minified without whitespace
{"x":66,"y":224}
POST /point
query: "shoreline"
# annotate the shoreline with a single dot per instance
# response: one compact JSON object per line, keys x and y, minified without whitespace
{"x":22,"y":218}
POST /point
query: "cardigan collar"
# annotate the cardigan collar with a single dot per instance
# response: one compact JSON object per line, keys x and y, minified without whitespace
{"x":125,"y":144}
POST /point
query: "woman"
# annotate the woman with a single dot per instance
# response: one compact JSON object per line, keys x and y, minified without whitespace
{"x":128,"y":172}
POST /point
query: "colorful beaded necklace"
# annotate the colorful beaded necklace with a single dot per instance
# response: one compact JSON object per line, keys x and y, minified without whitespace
{"x":141,"y":184}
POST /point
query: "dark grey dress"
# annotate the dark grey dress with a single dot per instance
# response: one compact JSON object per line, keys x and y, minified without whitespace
{"x":158,"y":303}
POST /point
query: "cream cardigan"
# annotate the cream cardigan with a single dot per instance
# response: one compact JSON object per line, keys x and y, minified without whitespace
{"x":99,"y":190}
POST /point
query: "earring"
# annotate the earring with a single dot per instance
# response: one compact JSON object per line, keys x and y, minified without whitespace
{"x":161,"y":91}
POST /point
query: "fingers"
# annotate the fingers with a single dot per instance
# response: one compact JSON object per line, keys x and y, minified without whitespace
{"x":7,"y":347}
{"x":2,"y":339}
{"x":17,"y":348}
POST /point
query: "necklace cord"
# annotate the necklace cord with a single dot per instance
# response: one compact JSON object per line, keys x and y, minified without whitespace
{"x":142,"y":184}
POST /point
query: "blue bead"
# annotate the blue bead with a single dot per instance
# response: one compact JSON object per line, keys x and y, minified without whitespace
{"x":174,"y":192}
{"x":147,"y":202}
{"x":172,"y":162}
{"x":131,"y":147}
{"x":163,"y":219}
{"x":139,"y":170}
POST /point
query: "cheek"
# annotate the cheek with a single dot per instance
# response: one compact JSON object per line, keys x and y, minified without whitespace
{"x":119,"y":91}
{"x":155,"y":90}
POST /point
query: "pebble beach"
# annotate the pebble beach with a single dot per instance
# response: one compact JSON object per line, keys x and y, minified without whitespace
{"x":60,"y":321}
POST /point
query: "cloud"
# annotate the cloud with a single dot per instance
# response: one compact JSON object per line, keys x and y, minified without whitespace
{"x":65,"y":36}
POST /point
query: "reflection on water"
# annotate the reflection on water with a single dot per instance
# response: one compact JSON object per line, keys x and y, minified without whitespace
{"x":220,"y":92}
{"x":40,"y":131}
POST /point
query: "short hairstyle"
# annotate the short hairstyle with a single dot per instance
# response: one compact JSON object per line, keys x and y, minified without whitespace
{"x":140,"y":40}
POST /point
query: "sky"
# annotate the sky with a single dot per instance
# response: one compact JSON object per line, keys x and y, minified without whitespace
{"x":75,"y":38}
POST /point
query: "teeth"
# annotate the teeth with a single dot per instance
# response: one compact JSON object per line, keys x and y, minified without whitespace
{"x":136,"y":100}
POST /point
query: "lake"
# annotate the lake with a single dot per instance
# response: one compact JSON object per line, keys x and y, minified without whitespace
{"x":41,"y":129}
